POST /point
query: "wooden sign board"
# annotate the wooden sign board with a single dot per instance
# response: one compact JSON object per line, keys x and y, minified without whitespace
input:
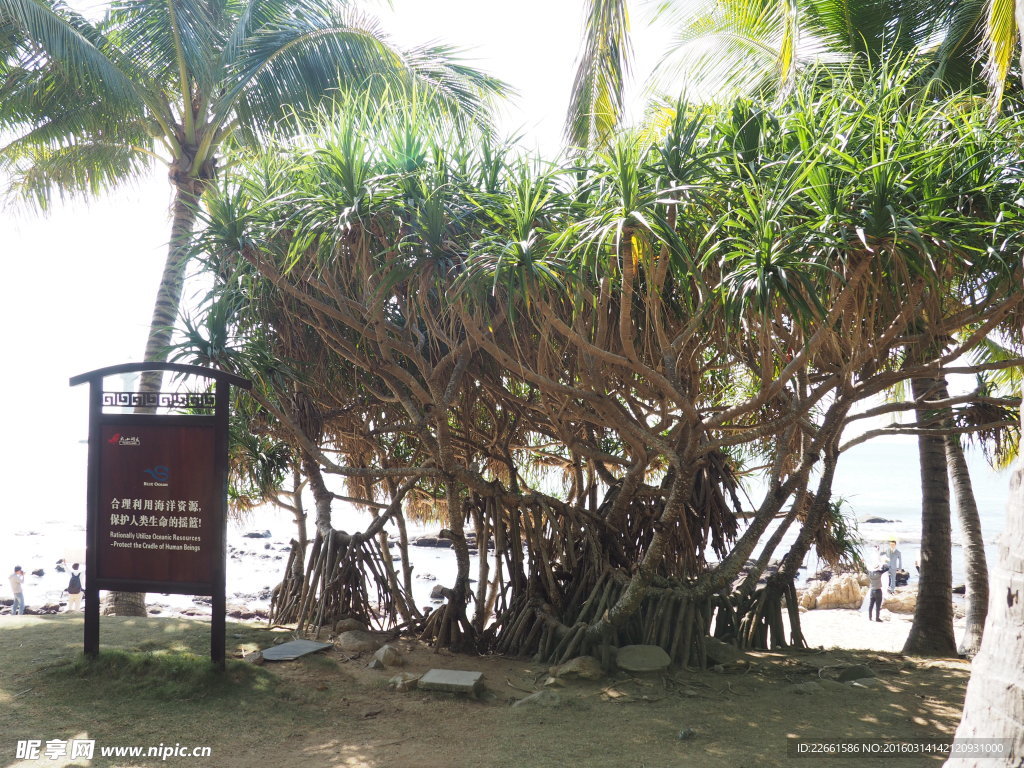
{"x":157,"y":496}
{"x":159,"y":516}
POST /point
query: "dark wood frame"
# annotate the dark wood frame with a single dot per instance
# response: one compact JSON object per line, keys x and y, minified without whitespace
{"x":97,"y":419}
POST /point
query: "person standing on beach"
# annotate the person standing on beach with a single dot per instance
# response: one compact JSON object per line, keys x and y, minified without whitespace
{"x":875,"y":585}
{"x":75,"y":590}
{"x":17,"y":579}
{"x":895,"y":564}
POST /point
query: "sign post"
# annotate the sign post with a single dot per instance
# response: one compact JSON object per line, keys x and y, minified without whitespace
{"x":157,"y":493}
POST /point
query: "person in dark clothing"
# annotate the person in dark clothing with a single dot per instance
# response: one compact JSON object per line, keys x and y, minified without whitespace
{"x":74,"y":589}
{"x":875,"y":585}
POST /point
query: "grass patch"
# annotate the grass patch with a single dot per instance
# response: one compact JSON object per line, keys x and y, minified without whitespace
{"x":164,"y":675}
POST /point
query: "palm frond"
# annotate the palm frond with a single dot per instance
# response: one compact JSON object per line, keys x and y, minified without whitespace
{"x":85,"y":168}
{"x":597,"y":101}
{"x":293,"y":62}
{"x":73,"y":42}
{"x":1001,"y":38}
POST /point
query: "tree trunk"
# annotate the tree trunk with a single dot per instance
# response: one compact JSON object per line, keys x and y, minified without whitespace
{"x":184,"y":210}
{"x":994,"y":707}
{"x":299,"y":511}
{"x":975,"y":565}
{"x":932,"y":631}
{"x":165,"y":312}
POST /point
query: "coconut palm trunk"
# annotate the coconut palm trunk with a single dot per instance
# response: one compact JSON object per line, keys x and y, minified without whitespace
{"x":932,"y":631}
{"x":184,"y":210}
{"x":975,"y":564}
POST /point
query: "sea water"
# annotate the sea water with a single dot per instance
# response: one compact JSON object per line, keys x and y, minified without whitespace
{"x":876,"y":479}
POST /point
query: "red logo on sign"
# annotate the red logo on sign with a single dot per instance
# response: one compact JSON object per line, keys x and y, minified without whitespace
{"x":114,"y":439}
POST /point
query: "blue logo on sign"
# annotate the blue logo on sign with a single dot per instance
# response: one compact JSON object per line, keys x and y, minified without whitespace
{"x":160,"y":473}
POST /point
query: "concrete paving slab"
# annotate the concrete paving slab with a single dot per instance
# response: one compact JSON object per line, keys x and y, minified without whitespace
{"x":292,"y":650}
{"x":453,"y":681}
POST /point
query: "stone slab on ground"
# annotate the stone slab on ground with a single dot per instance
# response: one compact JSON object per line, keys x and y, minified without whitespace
{"x":293,"y":650}
{"x":452,"y":681}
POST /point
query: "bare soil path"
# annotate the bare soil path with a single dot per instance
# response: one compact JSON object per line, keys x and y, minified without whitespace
{"x":328,"y":710}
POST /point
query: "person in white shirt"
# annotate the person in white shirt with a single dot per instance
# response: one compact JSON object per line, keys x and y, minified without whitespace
{"x":17,"y":579}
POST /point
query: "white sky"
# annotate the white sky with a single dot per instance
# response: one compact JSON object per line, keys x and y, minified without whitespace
{"x":79,"y":284}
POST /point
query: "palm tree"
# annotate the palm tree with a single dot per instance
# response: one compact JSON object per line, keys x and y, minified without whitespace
{"x":93,"y":105}
{"x":739,"y":46}
{"x":724,"y":48}
{"x":975,"y":562}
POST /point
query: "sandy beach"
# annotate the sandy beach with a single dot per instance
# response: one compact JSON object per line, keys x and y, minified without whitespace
{"x":850,"y":629}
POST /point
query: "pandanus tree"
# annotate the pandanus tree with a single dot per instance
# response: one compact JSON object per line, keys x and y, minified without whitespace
{"x":724,"y":48}
{"x":463,"y":326}
{"x":93,"y":104}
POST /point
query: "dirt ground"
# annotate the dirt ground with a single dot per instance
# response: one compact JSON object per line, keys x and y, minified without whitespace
{"x":328,"y":710}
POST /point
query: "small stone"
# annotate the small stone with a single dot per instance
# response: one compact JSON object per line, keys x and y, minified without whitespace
{"x":856,"y":672}
{"x":256,"y":657}
{"x":357,"y":641}
{"x":389,"y":656}
{"x":686,"y":734}
{"x":241,"y":612}
{"x":902,"y":601}
{"x":349,"y":625}
{"x":718,"y":669}
{"x":539,"y":699}
{"x":642,"y":658}
{"x":257,"y":535}
{"x":722,"y":653}
{"x":406,"y":681}
{"x":432,"y":541}
{"x":375,"y":663}
{"x":437,"y":593}
{"x":584,"y":667}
